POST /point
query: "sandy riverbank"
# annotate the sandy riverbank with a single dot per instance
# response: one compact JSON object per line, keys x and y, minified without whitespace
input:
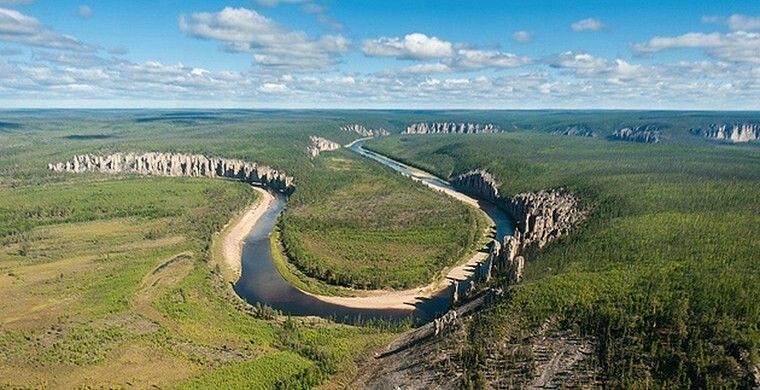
{"x":232,"y":241}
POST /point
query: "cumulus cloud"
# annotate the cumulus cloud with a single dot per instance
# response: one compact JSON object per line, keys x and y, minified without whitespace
{"x":735,"y":22}
{"x":18,"y":28}
{"x":80,"y":60}
{"x":740,"y":46}
{"x":590,"y":24}
{"x":586,"y":65}
{"x":453,"y":57}
{"x":523,"y":36}
{"x":270,"y":44}
{"x":412,"y":47}
{"x":272,"y":88}
{"x":479,"y":59}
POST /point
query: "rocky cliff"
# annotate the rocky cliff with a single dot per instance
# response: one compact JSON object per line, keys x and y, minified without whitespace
{"x":573,"y":130}
{"x":365,"y":132}
{"x":478,"y":183}
{"x":734,"y":132}
{"x":175,"y":164}
{"x":450,"y":128}
{"x":649,"y":134}
{"x":540,"y":218}
{"x":319,"y":144}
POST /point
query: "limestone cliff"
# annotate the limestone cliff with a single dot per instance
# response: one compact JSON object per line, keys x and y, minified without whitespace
{"x":735,"y":132}
{"x":176,"y":164}
{"x":478,"y":183}
{"x":650,"y":134}
{"x":450,"y":128}
{"x":365,"y":132}
{"x":319,"y":144}
{"x":540,"y":218}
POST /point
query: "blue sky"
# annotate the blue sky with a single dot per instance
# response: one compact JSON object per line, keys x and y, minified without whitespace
{"x":380,"y":54}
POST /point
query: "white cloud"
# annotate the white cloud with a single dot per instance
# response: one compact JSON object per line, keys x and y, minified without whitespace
{"x":739,"y":46}
{"x":413,"y":46}
{"x":84,"y":11}
{"x":19,"y":28}
{"x":735,"y":22}
{"x":72,"y":59}
{"x":523,"y":36}
{"x":590,"y":24}
{"x":270,"y":44}
{"x":320,"y":12}
{"x":273,"y":88}
{"x":479,"y":59}
{"x":427,"y":69}
{"x":587,"y":66}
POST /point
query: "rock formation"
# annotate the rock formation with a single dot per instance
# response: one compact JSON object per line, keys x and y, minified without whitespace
{"x":450,"y":128}
{"x":540,"y":218}
{"x":735,"y":132}
{"x":573,"y":130}
{"x":319,"y":144}
{"x":365,"y":132}
{"x":176,"y":164}
{"x":478,"y":183}
{"x":649,"y":134}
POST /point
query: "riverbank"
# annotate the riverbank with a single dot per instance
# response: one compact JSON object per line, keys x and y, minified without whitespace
{"x":404,"y":300}
{"x":233,"y":235}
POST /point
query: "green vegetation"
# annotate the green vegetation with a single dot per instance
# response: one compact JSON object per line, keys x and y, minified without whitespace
{"x":382,"y":231}
{"x":105,"y":279}
{"x":663,"y":274}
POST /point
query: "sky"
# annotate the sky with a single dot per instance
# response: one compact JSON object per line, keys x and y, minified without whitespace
{"x":406,"y":54}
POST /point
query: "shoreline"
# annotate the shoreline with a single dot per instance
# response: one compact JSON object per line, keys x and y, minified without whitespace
{"x":233,"y":238}
{"x":232,"y":241}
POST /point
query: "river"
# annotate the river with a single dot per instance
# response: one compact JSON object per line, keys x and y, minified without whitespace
{"x":261,"y":281}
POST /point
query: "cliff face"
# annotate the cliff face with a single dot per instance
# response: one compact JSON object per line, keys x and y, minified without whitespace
{"x":319,"y":144}
{"x":731,"y":132}
{"x":574,"y":130}
{"x":540,"y":218}
{"x":175,"y":164}
{"x":359,"y":129}
{"x":650,"y":134}
{"x":450,"y":128}
{"x":479,"y":183}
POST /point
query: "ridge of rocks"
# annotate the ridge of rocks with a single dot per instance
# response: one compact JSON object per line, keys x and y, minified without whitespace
{"x":574,"y":130}
{"x":451,"y":128}
{"x":178,"y":164}
{"x":363,"y":131}
{"x":734,"y":132}
{"x":540,"y":217}
{"x":650,"y":134}
{"x":319,"y":144}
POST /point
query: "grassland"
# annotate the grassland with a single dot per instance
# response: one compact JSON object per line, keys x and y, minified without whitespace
{"x":383,"y":231}
{"x":105,"y":281}
{"x":663,"y":275}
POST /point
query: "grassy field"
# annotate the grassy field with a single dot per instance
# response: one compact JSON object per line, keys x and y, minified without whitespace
{"x":663,"y":274}
{"x":105,"y":281}
{"x":382,"y":231}
{"x":106,"y":284}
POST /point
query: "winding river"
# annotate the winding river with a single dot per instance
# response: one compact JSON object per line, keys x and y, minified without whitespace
{"x":261,"y":281}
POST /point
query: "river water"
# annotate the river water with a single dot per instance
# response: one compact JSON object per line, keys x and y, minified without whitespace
{"x":261,"y":281}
